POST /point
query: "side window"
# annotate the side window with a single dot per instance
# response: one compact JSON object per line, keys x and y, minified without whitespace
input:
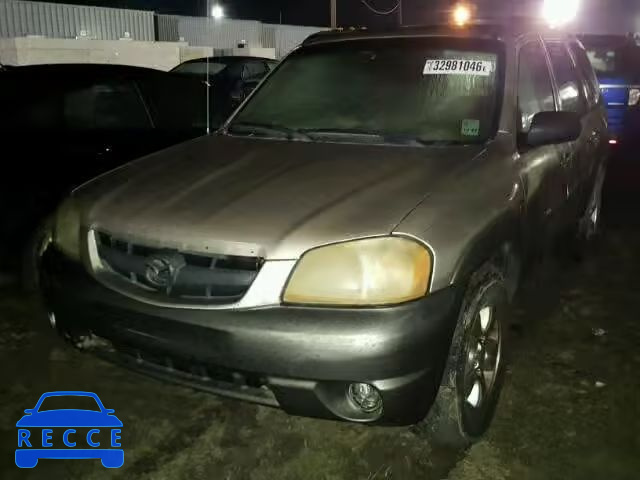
{"x":254,"y":70}
{"x":535,"y":90}
{"x":592,"y":86}
{"x":570,"y":87}
{"x":105,"y":106}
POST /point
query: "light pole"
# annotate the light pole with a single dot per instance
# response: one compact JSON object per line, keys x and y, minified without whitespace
{"x":334,"y":14}
{"x":217,"y":12}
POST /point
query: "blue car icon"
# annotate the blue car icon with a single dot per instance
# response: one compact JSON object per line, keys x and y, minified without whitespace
{"x":35,"y":431}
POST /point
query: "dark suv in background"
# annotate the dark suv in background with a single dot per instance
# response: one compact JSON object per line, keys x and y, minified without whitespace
{"x":231,"y":79}
{"x":347,"y":246}
{"x":616,"y":61}
{"x":65,"y":124}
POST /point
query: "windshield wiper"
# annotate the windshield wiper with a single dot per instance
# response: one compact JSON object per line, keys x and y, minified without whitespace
{"x":342,"y":132}
{"x":266,"y":129}
{"x":381,"y":137}
{"x":408,"y":140}
{"x":319,"y":134}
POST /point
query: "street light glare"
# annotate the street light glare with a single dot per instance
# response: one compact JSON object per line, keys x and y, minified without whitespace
{"x":461,"y":15}
{"x":560,"y":12}
{"x":217,"y":11}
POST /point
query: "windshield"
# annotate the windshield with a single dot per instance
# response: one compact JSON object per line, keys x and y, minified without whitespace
{"x":200,"y":68}
{"x":381,"y":91}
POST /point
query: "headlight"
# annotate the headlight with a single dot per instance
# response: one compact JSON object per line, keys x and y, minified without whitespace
{"x":376,"y":271}
{"x":66,"y":230}
{"x":634,"y":96}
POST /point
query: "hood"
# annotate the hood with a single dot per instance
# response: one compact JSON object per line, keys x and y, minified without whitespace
{"x":69,"y":418}
{"x":274,"y":199}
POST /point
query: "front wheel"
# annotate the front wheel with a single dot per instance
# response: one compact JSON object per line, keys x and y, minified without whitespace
{"x":472,"y":380}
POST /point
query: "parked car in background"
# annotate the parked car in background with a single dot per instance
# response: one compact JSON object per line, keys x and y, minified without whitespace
{"x":616,"y":61}
{"x":65,"y":124}
{"x":231,"y":79}
{"x":348,"y":244}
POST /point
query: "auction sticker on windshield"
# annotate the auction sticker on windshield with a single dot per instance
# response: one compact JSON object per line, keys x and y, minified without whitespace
{"x":448,"y":66}
{"x":470,"y":128}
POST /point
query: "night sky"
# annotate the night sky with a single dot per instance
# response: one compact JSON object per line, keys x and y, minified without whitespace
{"x":597,"y":15}
{"x":298,"y":12}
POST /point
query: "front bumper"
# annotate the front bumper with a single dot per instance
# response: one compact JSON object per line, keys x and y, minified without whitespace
{"x":300,"y":359}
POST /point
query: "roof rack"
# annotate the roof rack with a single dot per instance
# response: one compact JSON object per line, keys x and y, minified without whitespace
{"x":493,"y":27}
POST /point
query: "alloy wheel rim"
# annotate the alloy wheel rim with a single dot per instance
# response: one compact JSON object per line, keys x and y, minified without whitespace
{"x":482,"y":360}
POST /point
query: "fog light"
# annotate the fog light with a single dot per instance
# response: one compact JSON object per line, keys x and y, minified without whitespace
{"x":366,"y":397}
{"x":52,"y":319}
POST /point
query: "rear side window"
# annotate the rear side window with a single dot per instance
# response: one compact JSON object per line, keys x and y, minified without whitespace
{"x":105,"y":106}
{"x":535,"y":90}
{"x":570,"y":86}
{"x":592,"y":86}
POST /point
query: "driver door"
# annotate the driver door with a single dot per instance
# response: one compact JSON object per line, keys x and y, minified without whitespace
{"x":545,"y":172}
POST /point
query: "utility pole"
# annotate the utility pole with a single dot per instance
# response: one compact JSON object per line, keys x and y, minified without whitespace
{"x":400,"y":19}
{"x":334,"y":14}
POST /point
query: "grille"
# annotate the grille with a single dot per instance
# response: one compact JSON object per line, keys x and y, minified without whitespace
{"x":172,"y":274}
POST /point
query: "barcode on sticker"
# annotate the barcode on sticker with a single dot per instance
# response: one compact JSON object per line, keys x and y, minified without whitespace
{"x":481,"y":68}
{"x":470,"y":127}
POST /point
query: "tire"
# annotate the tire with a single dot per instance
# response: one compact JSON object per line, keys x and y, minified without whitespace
{"x":454,"y":421}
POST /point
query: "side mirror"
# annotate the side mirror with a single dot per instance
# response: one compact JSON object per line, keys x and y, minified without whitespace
{"x":549,"y":128}
{"x":29,"y":411}
{"x":109,"y":411}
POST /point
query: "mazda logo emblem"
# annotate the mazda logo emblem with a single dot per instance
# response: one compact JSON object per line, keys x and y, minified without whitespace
{"x":161,"y":270}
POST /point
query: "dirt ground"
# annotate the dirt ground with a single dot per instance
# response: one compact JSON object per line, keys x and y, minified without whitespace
{"x":570,"y":408}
